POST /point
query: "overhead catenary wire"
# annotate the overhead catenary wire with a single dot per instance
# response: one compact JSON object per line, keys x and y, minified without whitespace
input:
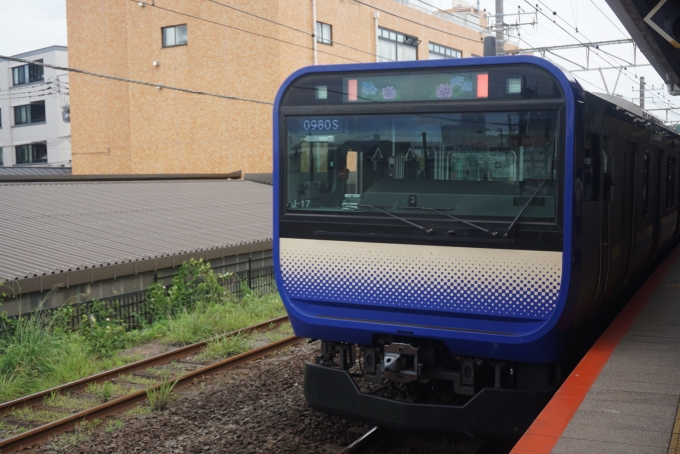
{"x":579,"y":41}
{"x":609,"y":19}
{"x":139,"y":82}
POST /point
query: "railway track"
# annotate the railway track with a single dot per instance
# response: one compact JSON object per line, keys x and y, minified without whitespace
{"x":47,"y":431}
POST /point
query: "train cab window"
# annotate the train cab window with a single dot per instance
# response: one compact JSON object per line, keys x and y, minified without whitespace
{"x":485,"y":164}
{"x":670,"y":182}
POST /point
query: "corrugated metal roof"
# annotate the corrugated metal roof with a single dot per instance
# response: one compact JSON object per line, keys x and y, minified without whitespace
{"x":48,"y":228}
{"x":34,"y":171}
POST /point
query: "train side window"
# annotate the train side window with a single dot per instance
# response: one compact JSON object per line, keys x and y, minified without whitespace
{"x":645,"y":187}
{"x":591,"y":167}
{"x":670,"y":182}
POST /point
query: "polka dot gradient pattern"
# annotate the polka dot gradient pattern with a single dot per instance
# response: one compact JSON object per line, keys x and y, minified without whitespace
{"x":514,"y":283}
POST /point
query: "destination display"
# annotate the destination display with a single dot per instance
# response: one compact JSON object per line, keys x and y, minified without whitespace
{"x":424,"y":87}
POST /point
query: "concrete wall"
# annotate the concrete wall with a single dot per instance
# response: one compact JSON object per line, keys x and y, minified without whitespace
{"x":124,"y":128}
{"x":55,"y":129}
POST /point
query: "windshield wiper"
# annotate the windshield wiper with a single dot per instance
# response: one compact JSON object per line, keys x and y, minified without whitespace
{"x":524,"y":208}
{"x":470,"y":224}
{"x":406,"y":221}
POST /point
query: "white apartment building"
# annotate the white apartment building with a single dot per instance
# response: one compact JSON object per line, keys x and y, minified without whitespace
{"x":35,"y":124}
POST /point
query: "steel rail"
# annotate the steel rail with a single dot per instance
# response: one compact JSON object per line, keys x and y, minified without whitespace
{"x":44,"y":433}
{"x":365,"y":442}
{"x":158,"y":360}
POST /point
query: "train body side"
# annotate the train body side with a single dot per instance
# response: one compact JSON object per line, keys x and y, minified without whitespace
{"x":627,"y":175}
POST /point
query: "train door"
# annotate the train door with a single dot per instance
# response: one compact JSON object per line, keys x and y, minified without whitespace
{"x":618,"y":190}
{"x":668,"y":199}
{"x":628,"y":226}
{"x":656,"y":161}
{"x":595,"y":184}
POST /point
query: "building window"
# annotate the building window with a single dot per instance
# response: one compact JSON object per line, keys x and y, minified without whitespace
{"x":323,"y":33}
{"x":175,"y":35}
{"x":30,"y":113}
{"x":27,"y":74}
{"x":1,"y":161}
{"x":439,"y":52}
{"x":395,"y":46}
{"x":32,"y":153}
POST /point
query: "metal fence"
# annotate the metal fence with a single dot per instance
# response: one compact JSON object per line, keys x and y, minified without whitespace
{"x":132,"y":308}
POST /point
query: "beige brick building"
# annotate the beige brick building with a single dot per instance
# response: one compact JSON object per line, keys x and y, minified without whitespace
{"x":211,"y":46}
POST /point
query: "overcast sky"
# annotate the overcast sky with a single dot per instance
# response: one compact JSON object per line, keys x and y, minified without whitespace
{"x":47,"y":20}
{"x":31,"y":24}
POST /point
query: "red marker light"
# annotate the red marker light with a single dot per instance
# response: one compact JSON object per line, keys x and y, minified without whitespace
{"x":352,"y":90}
{"x":482,"y":85}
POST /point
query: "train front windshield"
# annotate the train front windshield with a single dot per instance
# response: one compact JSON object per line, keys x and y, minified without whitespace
{"x":481,"y":160}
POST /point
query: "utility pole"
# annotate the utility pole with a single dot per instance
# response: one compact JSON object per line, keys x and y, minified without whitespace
{"x":642,"y":92}
{"x":500,"y":32}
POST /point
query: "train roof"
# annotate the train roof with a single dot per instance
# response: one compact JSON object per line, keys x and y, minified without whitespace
{"x":633,"y":108}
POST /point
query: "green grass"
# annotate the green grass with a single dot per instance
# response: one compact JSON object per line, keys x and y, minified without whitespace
{"x":139,"y":410}
{"x":160,"y":398}
{"x":37,"y":355}
{"x":9,"y":430}
{"x":82,"y":432}
{"x":30,"y":414}
{"x":136,"y":379}
{"x":65,"y":401}
{"x":224,"y":347}
{"x":212,"y":320}
{"x":114,"y":425}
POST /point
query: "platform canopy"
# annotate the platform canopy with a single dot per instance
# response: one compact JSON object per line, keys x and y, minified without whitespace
{"x":654,"y":26}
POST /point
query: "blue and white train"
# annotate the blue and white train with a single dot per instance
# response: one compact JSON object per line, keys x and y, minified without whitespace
{"x":450,"y":229}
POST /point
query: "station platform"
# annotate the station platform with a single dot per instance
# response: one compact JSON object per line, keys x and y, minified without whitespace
{"x":623,"y":396}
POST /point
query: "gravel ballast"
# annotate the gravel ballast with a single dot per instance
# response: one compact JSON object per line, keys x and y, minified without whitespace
{"x":256,"y":408}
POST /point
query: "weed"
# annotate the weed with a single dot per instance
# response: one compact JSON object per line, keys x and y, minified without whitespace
{"x":136,"y":379}
{"x":139,"y":410}
{"x":224,"y":347}
{"x":114,"y":425}
{"x":160,"y":397}
{"x":105,"y":391}
{"x":103,"y":333}
{"x":7,"y":430}
{"x":65,"y":401}
{"x":80,"y":433}
{"x":38,"y":351}
{"x":30,"y":414}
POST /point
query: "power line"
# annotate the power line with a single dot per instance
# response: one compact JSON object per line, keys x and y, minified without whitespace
{"x":138,"y":82}
{"x":19,"y":89}
{"x":312,"y":35}
{"x":584,"y":44}
{"x":28,"y":97}
{"x":242,"y":30}
{"x":609,"y":19}
{"x":17,"y":94}
{"x":418,"y":23}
